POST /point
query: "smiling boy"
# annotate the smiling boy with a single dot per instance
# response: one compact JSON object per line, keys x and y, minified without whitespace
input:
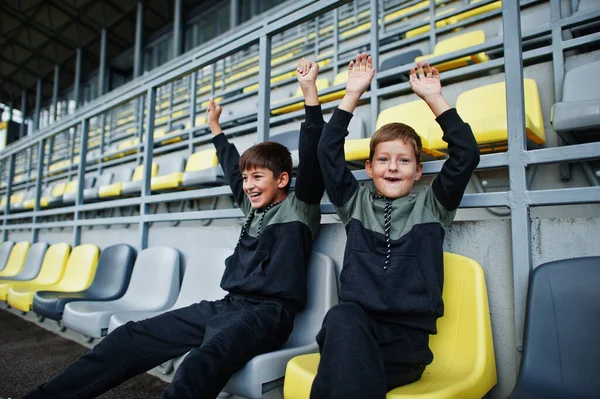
{"x":377,"y":338}
{"x":265,"y":277}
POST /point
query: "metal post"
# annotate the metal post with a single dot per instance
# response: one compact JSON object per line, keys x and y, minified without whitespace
{"x":148,"y":147}
{"x":23,"y":113}
{"x":55,"y":88}
{"x":375,"y":56}
{"x":8,"y":194}
{"x":264,"y":88}
{"x":139,"y":31}
{"x":80,"y":181}
{"x":517,"y":147}
{"x":10,"y":111}
{"x":336,"y":40}
{"x":38,"y":105}
{"x":38,"y":189}
{"x":77,"y":84}
{"x":431,"y":25}
{"x":234,"y":11}
{"x":102,"y":141}
{"x":102,"y":67}
{"x":177,"y":29}
{"x":193,"y":99}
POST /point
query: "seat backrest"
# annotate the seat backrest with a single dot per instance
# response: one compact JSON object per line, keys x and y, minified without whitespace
{"x":33,"y":261}
{"x":16,"y":260}
{"x":155,"y":279}
{"x":415,"y":114}
{"x":53,"y":266}
{"x":578,"y":87}
{"x":175,"y":163}
{"x":5,"y":250}
{"x":138,"y":174}
{"x":122,"y":175}
{"x":201,"y":160}
{"x":458,"y":42}
{"x":105,"y":179}
{"x":322,"y":294}
{"x":58,"y":189}
{"x":397,"y":60}
{"x":71,"y":188}
{"x":288,"y":139}
{"x":113,"y":272}
{"x":464,"y":334}
{"x":562,"y":321}
{"x":202,"y":277}
{"x":80,"y":269}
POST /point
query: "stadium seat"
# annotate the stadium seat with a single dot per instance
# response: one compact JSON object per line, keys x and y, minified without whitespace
{"x":32,"y":265}
{"x":322,"y":84}
{"x":51,"y":271}
{"x":340,"y":79}
{"x":16,"y":260}
{"x":134,"y":187}
{"x":484,"y":109}
{"x":110,"y":282}
{"x":579,"y":111}
{"x":202,"y":168}
{"x":114,"y":189}
{"x":71,"y":189}
{"x":5,"y":249}
{"x":395,"y":61}
{"x":560,"y":344}
{"x":456,"y":43}
{"x":44,"y":197}
{"x":463,"y":364}
{"x":19,"y":205}
{"x":171,"y":174}
{"x":200,"y":282}
{"x":91,"y":193}
{"x":153,"y":286}
{"x":78,"y":275}
{"x":55,"y":198}
{"x":265,"y":372}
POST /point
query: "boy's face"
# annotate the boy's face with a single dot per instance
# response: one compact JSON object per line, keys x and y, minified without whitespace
{"x":394,"y":168}
{"x":263,"y":188}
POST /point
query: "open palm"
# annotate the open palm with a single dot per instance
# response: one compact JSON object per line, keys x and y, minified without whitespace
{"x":360,"y":74}
{"x":425,"y":83}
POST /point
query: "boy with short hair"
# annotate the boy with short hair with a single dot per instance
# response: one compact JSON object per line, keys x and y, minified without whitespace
{"x":265,"y":277}
{"x":377,"y":338}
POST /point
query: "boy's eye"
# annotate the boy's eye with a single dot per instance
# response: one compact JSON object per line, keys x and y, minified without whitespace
{"x":382,"y":159}
{"x":244,"y":178}
{"x":405,"y":160}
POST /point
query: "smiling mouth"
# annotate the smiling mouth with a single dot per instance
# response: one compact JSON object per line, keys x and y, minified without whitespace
{"x":392,"y":179}
{"x":253,"y":196}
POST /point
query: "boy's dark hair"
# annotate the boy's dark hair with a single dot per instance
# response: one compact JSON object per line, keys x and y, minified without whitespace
{"x":396,"y":131}
{"x":270,"y":155}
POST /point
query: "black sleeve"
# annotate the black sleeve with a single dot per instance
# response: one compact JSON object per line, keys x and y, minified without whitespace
{"x":309,"y":180}
{"x":339,"y":181}
{"x":229,"y":158}
{"x":449,"y":186}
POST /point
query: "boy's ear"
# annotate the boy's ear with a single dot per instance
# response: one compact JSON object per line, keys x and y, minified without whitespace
{"x":283,"y":180}
{"x":369,"y":168}
{"x":419,"y":172}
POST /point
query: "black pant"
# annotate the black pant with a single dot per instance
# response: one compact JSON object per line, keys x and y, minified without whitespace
{"x":222,"y":336}
{"x":362,"y":357}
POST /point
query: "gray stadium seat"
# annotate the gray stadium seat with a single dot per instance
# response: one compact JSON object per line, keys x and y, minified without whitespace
{"x":154,"y":286}
{"x":200,"y":282}
{"x":171,"y":174}
{"x":88,"y":183}
{"x":580,"y":107}
{"x":110,"y":282}
{"x":29,"y":194}
{"x":5,"y":249}
{"x":266,"y":371}
{"x":33,"y":263}
{"x":134,"y":187}
{"x":91,"y":194}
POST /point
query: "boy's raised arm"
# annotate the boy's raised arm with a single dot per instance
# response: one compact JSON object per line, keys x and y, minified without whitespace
{"x":449,"y":186}
{"x":228,"y":155}
{"x":309,"y":180}
{"x":339,"y":181}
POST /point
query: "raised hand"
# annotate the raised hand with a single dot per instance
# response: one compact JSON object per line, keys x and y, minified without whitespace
{"x":307,"y":72}
{"x":213,"y":112}
{"x":425,"y":83}
{"x":360,"y":74}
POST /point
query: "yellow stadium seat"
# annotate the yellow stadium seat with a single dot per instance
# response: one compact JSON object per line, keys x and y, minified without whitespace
{"x":357,"y":149}
{"x":463,"y":364}
{"x":50,"y":273}
{"x":456,"y":43}
{"x":484,"y":108}
{"x":322,"y":83}
{"x":171,"y":175}
{"x":340,"y":78}
{"x":282,"y":77}
{"x":114,"y":189}
{"x":16,"y":260}
{"x":439,"y":24}
{"x":78,"y":276}
{"x":202,"y":168}
{"x":44,"y":198}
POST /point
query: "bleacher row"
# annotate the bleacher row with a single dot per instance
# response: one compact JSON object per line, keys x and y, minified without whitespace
{"x":93,"y":292}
